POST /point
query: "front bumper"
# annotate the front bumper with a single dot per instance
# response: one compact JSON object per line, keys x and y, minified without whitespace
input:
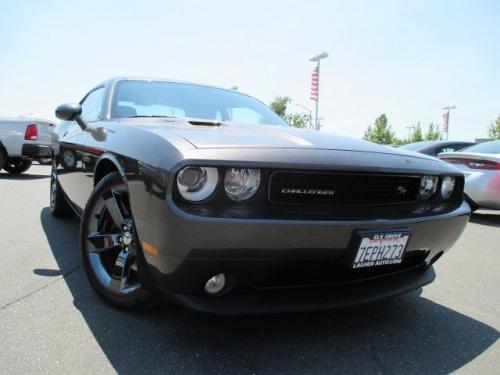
{"x":35,"y":151}
{"x":284,"y":265}
{"x":310,"y":298}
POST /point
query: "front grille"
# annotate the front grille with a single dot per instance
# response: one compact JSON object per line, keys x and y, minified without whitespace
{"x":321,"y":188}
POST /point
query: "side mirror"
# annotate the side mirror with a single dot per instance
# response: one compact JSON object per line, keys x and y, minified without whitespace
{"x":72,"y":112}
{"x":68,"y":111}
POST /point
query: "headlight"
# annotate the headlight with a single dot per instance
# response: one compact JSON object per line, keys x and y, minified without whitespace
{"x":428,"y":186}
{"x":447,"y":187}
{"x":197,"y":183}
{"x":241,"y":183}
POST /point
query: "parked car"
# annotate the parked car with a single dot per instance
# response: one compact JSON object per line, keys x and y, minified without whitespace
{"x":434,"y":148}
{"x":23,"y":140}
{"x":206,"y":196}
{"x":481,"y":167}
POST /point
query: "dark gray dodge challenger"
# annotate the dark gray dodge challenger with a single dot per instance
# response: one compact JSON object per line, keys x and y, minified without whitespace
{"x":207,"y":197}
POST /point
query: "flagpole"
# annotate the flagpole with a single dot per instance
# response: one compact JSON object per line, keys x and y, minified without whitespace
{"x":316,"y":125}
{"x":317,"y":59}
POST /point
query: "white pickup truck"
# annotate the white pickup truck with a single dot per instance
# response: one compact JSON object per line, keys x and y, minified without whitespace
{"x":23,"y":140}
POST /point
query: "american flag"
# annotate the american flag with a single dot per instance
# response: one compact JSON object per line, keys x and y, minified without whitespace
{"x":446,"y":116}
{"x":314,"y":84}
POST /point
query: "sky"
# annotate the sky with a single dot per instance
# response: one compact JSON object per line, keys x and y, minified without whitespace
{"x":407,"y":59}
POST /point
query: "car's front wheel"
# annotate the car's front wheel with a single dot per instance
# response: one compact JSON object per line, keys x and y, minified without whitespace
{"x":17,"y":165}
{"x":110,"y":247}
{"x":58,"y":205}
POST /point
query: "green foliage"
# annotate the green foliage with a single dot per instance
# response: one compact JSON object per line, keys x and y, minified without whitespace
{"x":279,"y":105}
{"x":433,"y":133}
{"x":416,"y":134}
{"x":380,"y":132}
{"x":494,"y":129}
{"x":298,"y":120}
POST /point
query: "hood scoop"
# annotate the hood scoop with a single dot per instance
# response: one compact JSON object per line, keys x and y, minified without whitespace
{"x":203,"y":122}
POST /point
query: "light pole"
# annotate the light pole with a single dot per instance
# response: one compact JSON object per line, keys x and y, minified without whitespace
{"x":317,"y":59}
{"x":409,"y":131}
{"x":447,"y":119}
{"x":308,"y":110}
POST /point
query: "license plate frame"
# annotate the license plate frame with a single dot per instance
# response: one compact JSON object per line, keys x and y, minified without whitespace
{"x":388,"y":248}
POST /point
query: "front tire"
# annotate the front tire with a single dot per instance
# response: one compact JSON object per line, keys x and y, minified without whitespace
{"x":59,"y":207}
{"x":110,"y":246}
{"x":17,"y":165}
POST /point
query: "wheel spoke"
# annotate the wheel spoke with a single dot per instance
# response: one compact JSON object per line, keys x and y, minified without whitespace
{"x":103,"y":242}
{"x":121,"y":271}
{"x":114,"y":204}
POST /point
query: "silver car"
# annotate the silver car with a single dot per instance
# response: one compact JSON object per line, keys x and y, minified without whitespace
{"x":481,"y":167}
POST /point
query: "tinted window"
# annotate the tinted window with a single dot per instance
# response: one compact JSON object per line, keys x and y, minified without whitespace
{"x":146,"y":98}
{"x":492,"y":147}
{"x":92,"y":105}
{"x":415,"y":146}
{"x":447,"y":149}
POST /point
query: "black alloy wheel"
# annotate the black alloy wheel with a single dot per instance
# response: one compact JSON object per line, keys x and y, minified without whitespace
{"x":110,"y":247}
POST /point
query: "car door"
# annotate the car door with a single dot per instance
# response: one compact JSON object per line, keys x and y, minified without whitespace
{"x":72,"y":166}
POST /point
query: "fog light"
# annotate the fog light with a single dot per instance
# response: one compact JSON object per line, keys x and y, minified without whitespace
{"x":215,"y":284}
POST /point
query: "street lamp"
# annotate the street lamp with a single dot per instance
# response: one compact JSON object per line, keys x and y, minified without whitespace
{"x":410,"y":128}
{"x":317,"y":59}
{"x":308,"y":110}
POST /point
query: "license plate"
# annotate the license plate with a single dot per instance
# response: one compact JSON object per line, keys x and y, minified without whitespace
{"x":381,"y":249}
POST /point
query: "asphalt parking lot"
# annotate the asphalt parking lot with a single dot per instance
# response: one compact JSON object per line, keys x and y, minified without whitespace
{"x":52,"y":322}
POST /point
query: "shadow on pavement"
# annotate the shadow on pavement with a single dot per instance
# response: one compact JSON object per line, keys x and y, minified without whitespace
{"x":23,"y":176}
{"x":409,"y":334}
{"x":486,"y":219}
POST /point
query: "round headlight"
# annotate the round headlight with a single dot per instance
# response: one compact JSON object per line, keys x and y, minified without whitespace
{"x":197,"y":183}
{"x":428,"y":186}
{"x":447,"y":187}
{"x":241,"y":183}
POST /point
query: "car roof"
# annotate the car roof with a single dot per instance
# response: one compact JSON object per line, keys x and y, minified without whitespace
{"x":114,"y":80}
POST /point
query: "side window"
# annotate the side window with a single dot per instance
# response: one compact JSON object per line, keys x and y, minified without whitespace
{"x":447,"y":149}
{"x":92,"y":105}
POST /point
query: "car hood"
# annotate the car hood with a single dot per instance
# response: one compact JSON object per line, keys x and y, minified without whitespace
{"x":232,"y":135}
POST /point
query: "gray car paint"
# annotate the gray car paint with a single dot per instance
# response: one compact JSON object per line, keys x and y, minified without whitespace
{"x":149,"y":153}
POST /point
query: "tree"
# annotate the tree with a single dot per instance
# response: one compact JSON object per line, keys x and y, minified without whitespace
{"x":416,"y":134}
{"x":380,"y":132}
{"x":279,"y":106}
{"x":494,"y":129}
{"x":433,"y":133}
{"x":298,"y":120}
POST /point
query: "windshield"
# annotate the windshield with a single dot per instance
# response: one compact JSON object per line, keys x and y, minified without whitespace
{"x":492,"y":147}
{"x":159,"y":99}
